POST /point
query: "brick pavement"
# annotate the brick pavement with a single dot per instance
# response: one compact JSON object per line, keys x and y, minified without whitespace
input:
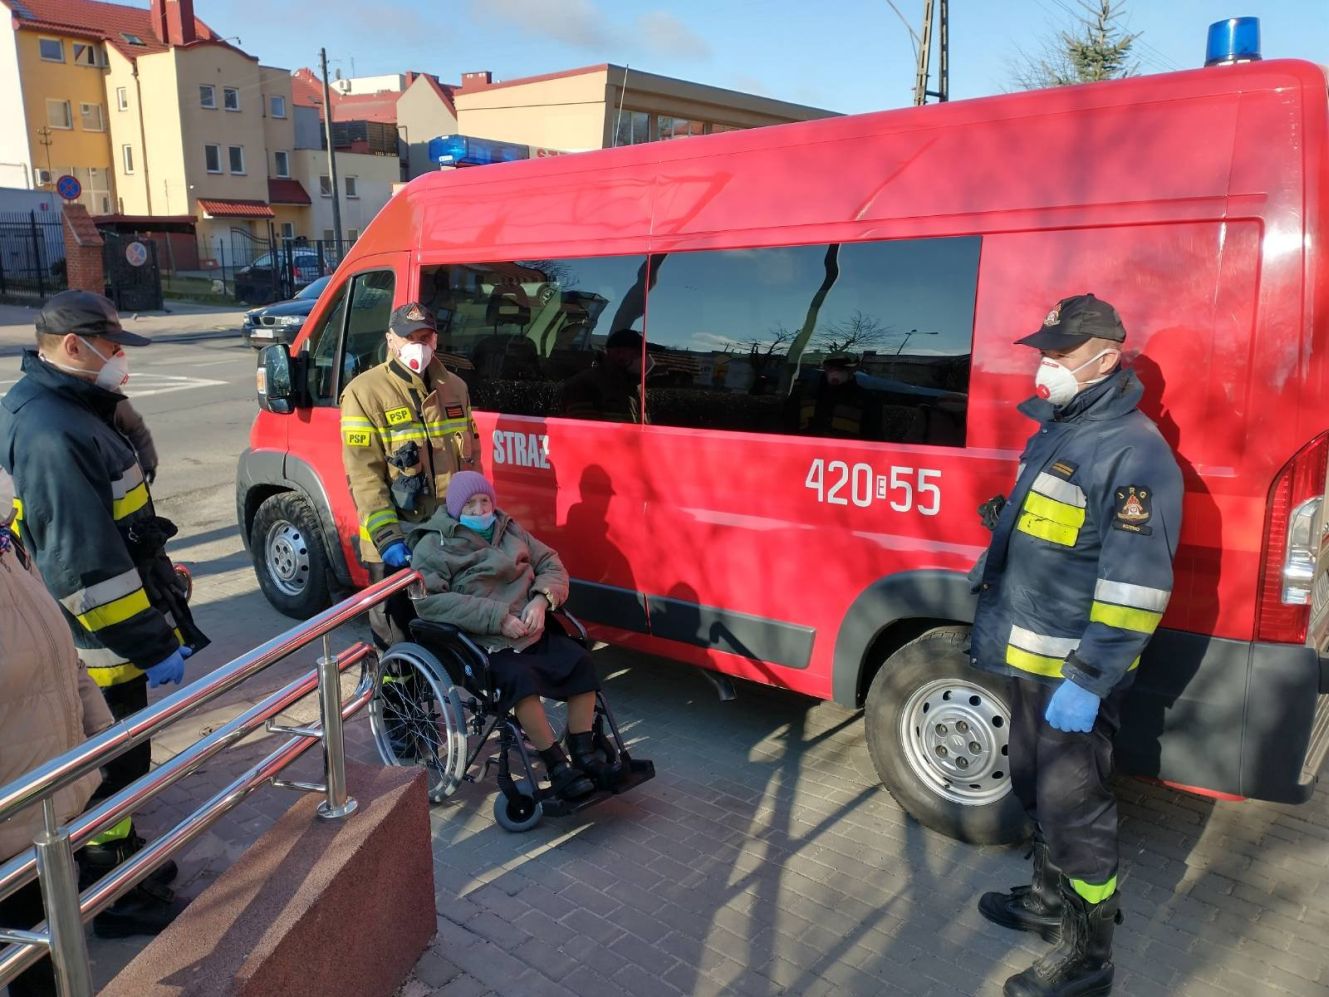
{"x":764,"y":858}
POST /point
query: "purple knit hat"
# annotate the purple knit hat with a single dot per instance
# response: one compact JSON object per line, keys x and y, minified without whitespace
{"x":463,"y":485}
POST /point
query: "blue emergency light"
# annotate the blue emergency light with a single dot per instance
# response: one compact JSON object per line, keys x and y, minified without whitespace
{"x":462,"y":150}
{"x":1235,"y":40}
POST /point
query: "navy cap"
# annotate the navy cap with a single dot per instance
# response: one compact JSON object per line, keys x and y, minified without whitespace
{"x":85,"y":314}
{"x":411,"y":317}
{"x":1074,"y":322}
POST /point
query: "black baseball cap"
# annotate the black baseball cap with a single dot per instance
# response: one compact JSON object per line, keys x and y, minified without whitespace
{"x":85,"y":313}
{"x":411,"y":317}
{"x":1075,"y":321}
{"x":840,"y":359}
{"x":623,"y":339}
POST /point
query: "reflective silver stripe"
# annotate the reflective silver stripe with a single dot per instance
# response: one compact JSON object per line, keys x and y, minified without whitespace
{"x":101,"y":593}
{"x":127,"y":482}
{"x":99,"y":657}
{"x":1135,"y":596}
{"x":1051,"y":647}
{"x":1062,"y":491}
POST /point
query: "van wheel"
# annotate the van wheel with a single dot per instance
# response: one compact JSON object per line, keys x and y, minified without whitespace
{"x":937,"y":730}
{"x":286,"y":542}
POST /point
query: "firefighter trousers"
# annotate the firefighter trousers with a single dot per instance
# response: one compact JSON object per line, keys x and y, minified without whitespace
{"x":125,"y":699}
{"x":1062,"y":781}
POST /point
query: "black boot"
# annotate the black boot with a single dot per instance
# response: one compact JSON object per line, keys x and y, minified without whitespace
{"x":1081,"y":964}
{"x":1036,"y":907}
{"x":95,"y":861}
{"x":145,"y":910}
{"x":590,"y":759}
{"x":568,"y":783}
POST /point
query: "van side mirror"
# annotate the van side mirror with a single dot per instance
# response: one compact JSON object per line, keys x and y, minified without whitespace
{"x":276,"y":387}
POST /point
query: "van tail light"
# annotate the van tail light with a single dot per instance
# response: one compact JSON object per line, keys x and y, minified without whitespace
{"x":1291,"y":546}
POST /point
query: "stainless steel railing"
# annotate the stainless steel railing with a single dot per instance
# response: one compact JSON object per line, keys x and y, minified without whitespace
{"x":51,"y":859}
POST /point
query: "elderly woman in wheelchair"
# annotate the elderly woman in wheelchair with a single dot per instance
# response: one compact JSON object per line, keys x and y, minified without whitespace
{"x":489,"y":640}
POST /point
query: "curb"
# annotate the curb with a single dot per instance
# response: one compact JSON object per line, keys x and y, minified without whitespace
{"x":170,"y":337}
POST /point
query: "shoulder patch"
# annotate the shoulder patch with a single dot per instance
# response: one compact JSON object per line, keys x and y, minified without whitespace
{"x":1134,"y":509}
{"x":1063,"y":469}
{"x":356,"y":437}
{"x":397,"y":416}
{"x":454,"y":411}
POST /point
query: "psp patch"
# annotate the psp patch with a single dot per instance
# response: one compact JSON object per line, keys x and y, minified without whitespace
{"x":1134,"y":509}
{"x":357,"y":437}
{"x":397,"y":416}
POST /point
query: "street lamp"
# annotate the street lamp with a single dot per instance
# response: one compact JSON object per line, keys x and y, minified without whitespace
{"x":913,"y":332}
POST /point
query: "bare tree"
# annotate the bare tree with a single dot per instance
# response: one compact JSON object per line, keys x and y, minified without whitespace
{"x":858,"y":332}
{"x":1097,"y":49}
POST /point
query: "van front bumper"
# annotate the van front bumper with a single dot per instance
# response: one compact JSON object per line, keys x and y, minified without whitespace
{"x":1237,"y":717}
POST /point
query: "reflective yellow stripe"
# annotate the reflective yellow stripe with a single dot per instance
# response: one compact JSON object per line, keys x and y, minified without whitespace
{"x":449,"y":426}
{"x":103,"y":592}
{"x":1049,"y":508}
{"x":116,"y":675}
{"x":134,"y":500}
{"x":1094,"y":894}
{"x":1126,"y":594}
{"x":356,"y":422}
{"x":18,"y":514}
{"x":1028,"y":661}
{"x":116,"y":611}
{"x":116,"y":832}
{"x":1046,"y":529}
{"x":376,"y":521}
{"x":1124,"y":617}
{"x":398,"y":437}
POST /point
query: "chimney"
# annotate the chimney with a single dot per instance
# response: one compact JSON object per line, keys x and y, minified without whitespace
{"x":476,"y":81}
{"x":181,"y":29}
{"x":158,"y":17}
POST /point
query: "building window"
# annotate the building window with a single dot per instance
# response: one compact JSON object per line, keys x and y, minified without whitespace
{"x":121,"y":99}
{"x":352,"y":234}
{"x":207,"y":95}
{"x":634,"y":127}
{"x":131,"y":39}
{"x":283,"y":163}
{"x":278,"y":105}
{"x":325,"y":188}
{"x":887,"y":360}
{"x":231,"y":98}
{"x":667,"y":127}
{"x":51,"y":49}
{"x":127,"y":155}
{"x":86,"y":55}
{"x":91,"y":117}
{"x":237,"y":156}
{"x":288,"y":230}
{"x":351,"y":189}
{"x":58,"y":114}
{"x":212,"y":157}
{"x":329,"y":235}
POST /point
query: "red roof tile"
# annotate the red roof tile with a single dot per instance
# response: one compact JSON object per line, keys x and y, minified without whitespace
{"x":219,"y":208}
{"x":107,"y":21}
{"x":287,"y":192}
{"x":381,"y":107}
{"x":306,"y":89}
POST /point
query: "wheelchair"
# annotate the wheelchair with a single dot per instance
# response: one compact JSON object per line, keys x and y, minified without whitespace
{"x":435,"y":706}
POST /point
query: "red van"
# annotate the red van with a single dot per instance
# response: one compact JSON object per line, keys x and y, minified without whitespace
{"x":776,"y":478}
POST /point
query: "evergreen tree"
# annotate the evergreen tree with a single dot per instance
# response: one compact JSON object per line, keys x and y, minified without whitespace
{"x":1097,"y":49}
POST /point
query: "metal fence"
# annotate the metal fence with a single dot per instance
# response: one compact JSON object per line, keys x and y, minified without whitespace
{"x":51,"y":859}
{"x":32,"y":254}
{"x":251,"y":269}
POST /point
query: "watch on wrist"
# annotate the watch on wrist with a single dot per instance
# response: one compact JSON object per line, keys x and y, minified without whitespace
{"x":553,"y":603}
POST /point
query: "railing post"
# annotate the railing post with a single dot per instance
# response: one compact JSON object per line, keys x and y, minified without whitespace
{"x":338,"y":804}
{"x":64,"y":923}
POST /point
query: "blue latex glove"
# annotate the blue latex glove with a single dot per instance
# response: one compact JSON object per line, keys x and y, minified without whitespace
{"x":398,"y":555}
{"x":170,"y":670}
{"x":1072,"y":709}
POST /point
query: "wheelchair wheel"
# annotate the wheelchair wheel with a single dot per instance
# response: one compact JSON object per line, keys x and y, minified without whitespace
{"x":519,"y":813}
{"x":417,"y":718}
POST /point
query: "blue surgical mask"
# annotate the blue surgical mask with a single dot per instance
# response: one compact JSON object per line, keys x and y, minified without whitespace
{"x":481,"y":524}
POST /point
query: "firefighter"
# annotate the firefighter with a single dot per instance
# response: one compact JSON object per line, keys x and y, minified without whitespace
{"x":1072,"y":587}
{"x":87,"y":516}
{"x":406,"y":429}
{"x":837,"y":406}
{"x":611,"y":390}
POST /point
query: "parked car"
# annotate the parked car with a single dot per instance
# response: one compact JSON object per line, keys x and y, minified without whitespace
{"x":279,"y":322}
{"x":256,"y":284}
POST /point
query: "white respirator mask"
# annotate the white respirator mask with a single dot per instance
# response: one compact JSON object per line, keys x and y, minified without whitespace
{"x":416,"y":356}
{"x":1056,"y":383}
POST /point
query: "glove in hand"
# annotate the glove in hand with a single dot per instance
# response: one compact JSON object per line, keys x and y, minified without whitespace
{"x":1072,"y":709}
{"x":170,"y":670}
{"x":398,"y":555}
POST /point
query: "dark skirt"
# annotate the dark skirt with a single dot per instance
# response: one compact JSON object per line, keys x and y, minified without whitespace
{"x":555,"y":667}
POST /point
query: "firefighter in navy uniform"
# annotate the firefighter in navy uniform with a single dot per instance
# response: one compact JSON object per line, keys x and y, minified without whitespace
{"x":1071,"y":589}
{"x":88,"y":519}
{"x":406,"y":429}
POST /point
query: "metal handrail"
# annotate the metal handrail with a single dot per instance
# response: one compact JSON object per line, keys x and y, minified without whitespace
{"x":51,"y":857}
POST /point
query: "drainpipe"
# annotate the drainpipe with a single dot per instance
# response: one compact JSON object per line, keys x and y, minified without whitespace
{"x":142,"y":139}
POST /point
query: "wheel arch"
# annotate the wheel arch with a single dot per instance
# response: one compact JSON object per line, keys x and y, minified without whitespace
{"x":886,"y":616}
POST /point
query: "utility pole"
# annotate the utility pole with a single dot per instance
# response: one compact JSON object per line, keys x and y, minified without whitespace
{"x":45,"y":133}
{"x":921,"y":91}
{"x":332,"y":154}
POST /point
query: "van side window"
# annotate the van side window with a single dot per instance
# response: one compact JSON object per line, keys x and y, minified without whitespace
{"x":866,"y":341}
{"x":334,"y":358}
{"x":519,"y":333}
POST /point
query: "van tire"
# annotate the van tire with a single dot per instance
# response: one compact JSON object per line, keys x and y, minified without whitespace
{"x":932,"y":676}
{"x":290,"y":558}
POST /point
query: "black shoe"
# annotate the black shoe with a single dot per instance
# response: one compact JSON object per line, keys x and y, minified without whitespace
{"x":95,"y":861}
{"x":1081,"y":964}
{"x":568,"y":783}
{"x":590,"y":759}
{"x":166,"y":873}
{"x":145,"y":910}
{"x":1036,"y":907}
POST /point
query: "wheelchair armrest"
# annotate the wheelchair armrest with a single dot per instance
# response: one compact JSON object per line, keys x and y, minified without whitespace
{"x":571,"y":625}
{"x":427,"y":628}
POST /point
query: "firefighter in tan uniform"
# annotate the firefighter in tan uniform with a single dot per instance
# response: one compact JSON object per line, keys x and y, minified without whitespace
{"x":406,"y":428}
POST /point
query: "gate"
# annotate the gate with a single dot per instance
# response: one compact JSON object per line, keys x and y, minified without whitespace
{"x":132,"y":273}
{"x":32,"y":254}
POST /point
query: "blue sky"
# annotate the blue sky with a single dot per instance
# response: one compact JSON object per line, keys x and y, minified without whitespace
{"x":845,"y":55}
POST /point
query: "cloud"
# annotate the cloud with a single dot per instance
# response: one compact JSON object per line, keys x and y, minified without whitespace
{"x":575,"y":23}
{"x":661,"y":33}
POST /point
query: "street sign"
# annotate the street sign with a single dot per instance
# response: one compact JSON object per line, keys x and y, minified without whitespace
{"x":68,"y":187}
{"x":136,"y":253}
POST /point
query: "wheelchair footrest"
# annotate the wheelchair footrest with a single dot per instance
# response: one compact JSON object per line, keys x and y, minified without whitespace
{"x":635,"y":773}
